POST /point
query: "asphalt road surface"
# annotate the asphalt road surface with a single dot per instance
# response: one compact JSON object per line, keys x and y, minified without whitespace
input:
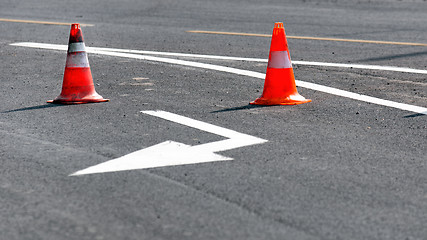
{"x":335,"y":168}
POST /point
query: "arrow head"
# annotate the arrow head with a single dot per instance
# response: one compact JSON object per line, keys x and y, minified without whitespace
{"x":167,"y":153}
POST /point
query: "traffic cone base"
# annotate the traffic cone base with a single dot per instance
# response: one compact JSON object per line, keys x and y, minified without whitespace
{"x":281,"y":90}
{"x":77,"y":86}
{"x":67,"y":101}
{"x":74,"y":99}
{"x":290,"y":100}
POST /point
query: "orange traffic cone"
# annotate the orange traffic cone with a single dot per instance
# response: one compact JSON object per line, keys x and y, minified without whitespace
{"x":77,"y":86}
{"x":279,"y":85}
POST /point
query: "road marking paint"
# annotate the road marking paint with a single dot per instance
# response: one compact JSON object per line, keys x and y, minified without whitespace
{"x":235,"y":139}
{"x":309,"y":63}
{"x":180,"y":54}
{"x":360,"y":97}
{"x":41,"y":22}
{"x":313,"y":86}
{"x":312,"y":38}
{"x":362,"y":66}
{"x":170,"y":153}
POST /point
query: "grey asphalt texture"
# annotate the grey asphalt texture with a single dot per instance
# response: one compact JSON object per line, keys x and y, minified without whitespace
{"x":335,"y":168}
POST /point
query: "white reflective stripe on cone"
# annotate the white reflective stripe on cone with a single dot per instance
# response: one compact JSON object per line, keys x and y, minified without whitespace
{"x":76,"y":47}
{"x":279,"y":59}
{"x":77,"y":60}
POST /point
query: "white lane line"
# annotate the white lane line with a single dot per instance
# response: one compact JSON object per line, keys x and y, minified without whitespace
{"x":144,"y":57}
{"x":317,"y":87}
{"x":363,"y":66}
{"x":360,"y":97}
{"x":170,"y":153}
{"x":308,"y":63}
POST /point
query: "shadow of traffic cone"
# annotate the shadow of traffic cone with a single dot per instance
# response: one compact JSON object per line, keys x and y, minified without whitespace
{"x":279,"y":85}
{"x":77,"y":86}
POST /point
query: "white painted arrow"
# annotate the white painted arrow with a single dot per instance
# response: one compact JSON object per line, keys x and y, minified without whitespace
{"x":172,"y":153}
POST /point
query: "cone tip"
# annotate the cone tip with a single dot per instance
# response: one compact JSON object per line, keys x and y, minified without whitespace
{"x":278,"y":25}
{"x":75,"y":26}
